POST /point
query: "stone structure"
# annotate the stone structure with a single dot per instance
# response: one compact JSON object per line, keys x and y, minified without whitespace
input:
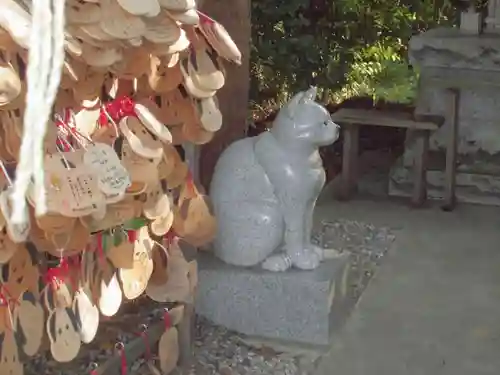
{"x":493,"y":17}
{"x":451,"y":59}
{"x":264,"y":189}
{"x":296,"y":306}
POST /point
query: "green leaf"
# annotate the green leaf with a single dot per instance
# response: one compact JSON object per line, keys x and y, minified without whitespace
{"x":118,"y":237}
{"x":105,"y":242}
{"x":135,"y":224}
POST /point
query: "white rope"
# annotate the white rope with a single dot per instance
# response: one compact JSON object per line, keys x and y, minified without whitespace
{"x":54,"y":80}
{"x":46,"y":56}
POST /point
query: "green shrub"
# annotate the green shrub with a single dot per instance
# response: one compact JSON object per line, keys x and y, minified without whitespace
{"x":345,"y":47}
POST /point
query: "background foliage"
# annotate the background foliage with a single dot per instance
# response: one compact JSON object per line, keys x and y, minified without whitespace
{"x":346,"y":47}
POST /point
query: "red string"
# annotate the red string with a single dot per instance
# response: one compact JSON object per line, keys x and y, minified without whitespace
{"x":64,"y":265}
{"x":72,"y":269}
{"x":144,"y":335}
{"x":99,"y":248}
{"x":65,"y":119}
{"x":170,"y":237}
{"x":117,"y":109}
{"x":167,"y":319}
{"x":6,"y":300}
{"x":3,"y":301}
{"x":4,"y":172}
{"x":4,"y":292}
{"x":190,"y":184}
{"x":123,"y":358}
{"x":63,"y":144}
{"x":93,"y":369}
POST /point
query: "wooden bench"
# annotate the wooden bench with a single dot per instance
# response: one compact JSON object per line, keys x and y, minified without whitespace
{"x":352,"y":119}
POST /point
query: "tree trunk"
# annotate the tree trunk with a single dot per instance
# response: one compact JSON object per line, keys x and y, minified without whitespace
{"x":234,"y":15}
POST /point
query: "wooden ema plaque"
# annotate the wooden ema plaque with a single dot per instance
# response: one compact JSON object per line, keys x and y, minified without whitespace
{"x":139,"y":78}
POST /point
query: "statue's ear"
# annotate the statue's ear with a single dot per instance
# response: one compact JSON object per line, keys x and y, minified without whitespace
{"x":309,"y":94}
{"x":292,"y":105}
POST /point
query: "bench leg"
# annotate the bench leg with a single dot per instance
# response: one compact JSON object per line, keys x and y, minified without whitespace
{"x":451,"y":154}
{"x":349,"y":161}
{"x":420,"y":168}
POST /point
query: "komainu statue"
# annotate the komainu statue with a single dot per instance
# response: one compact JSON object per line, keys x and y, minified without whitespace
{"x":264,"y":190}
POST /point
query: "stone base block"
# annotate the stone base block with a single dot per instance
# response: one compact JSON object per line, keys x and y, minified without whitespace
{"x":298,"y":306}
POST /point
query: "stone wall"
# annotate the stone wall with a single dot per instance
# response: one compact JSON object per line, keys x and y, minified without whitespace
{"x":471,"y":63}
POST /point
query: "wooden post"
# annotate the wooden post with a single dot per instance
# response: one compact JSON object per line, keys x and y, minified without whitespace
{"x":349,"y":161}
{"x":451,"y":152}
{"x":234,"y":15}
{"x":132,"y":351}
{"x":420,"y":168}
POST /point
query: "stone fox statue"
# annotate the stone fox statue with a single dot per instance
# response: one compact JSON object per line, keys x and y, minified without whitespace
{"x":264,"y":189}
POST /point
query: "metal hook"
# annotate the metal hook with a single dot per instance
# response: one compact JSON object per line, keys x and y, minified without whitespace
{"x":119,"y":346}
{"x":93,"y":366}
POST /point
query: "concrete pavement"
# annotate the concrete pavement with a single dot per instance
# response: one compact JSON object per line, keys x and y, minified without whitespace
{"x":433,"y":306}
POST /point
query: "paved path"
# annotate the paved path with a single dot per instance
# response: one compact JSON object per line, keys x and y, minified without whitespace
{"x":433,"y":308}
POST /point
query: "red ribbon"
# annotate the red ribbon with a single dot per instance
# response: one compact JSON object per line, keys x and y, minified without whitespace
{"x":117,"y":109}
{"x":55,"y":275}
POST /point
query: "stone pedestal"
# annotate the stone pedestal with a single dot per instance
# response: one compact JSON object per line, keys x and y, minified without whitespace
{"x":448,"y":58}
{"x":297,"y":306}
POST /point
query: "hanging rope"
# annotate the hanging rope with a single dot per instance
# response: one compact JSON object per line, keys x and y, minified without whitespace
{"x":45,"y":61}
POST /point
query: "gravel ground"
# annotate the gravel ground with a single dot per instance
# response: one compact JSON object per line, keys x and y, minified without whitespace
{"x":366,"y":243}
{"x":219,"y":351}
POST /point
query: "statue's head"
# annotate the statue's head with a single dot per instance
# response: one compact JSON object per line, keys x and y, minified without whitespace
{"x":303,"y":120}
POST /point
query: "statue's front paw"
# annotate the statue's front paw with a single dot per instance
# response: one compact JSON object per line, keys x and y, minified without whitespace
{"x":308,"y":259}
{"x":319,"y":251}
{"x":277,"y":263}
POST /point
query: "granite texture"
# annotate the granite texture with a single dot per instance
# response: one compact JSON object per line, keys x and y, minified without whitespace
{"x":264,"y":189}
{"x":298,"y":306}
